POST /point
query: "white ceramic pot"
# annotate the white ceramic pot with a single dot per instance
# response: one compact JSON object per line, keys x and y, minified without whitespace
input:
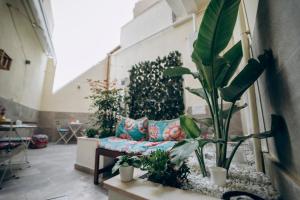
{"x":217,"y":176}
{"x":126,"y":173}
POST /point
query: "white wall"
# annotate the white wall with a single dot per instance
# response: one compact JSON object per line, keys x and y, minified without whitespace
{"x":70,"y":98}
{"x":151,"y":21}
{"x":23,"y":83}
{"x":172,"y":38}
{"x":142,"y":5}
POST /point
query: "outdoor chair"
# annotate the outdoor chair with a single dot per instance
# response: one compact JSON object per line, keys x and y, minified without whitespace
{"x":8,"y":149}
{"x":62,"y":132}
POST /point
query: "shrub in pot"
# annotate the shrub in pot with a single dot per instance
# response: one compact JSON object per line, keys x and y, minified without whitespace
{"x":107,"y":102}
{"x":161,"y":170}
{"x":91,"y":132}
{"x":125,"y":165}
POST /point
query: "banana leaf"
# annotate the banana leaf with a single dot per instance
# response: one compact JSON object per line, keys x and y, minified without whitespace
{"x":216,"y":29}
{"x":235,"y":109}
{"x":233,"y":57}
{"x":197,"y":91}
{"x":204,"y":71}
{"x":242,"y":81}
{"x":189,"y":126}
{"x":182,"y":150}
{"x":255,"y":135}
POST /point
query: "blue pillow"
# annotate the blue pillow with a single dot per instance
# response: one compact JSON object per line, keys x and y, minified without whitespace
{"x":132,"y":129}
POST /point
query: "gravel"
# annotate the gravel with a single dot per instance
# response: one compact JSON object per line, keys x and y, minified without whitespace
{"x":242,"y":175}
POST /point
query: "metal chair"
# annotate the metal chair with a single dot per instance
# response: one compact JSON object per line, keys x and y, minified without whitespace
{"x":62,"y":131}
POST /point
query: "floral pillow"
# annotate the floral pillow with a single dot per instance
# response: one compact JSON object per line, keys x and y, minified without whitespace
{"x":166,"y":130}
{"x":132,"y":129}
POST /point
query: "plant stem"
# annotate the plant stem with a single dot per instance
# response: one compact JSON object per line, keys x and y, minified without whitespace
{"x":199,"y":154}
{"x":228,"y":162}
{"x":226,"y":130}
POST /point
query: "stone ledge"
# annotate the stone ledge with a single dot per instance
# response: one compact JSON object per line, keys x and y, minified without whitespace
{"x":141,"y":189}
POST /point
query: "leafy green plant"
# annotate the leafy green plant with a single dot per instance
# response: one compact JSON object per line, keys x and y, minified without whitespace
{"x":153,"y":95}
{"x":215,"y":72}
{"x":126,"y":161}
{"x":162,"y":170}
{"x":91,"y":132}
{"x":107,"y":104}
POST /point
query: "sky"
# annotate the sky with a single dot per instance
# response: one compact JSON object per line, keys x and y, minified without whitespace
{"x":84,"y":32}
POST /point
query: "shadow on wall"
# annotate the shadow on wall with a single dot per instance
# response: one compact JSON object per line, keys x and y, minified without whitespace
{"x":277,"y":28}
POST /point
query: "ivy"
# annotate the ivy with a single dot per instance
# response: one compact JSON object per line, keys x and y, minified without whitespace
{"x":153,"y":95}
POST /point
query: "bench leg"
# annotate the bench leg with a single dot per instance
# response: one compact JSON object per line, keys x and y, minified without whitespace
{"x":96,"y":169}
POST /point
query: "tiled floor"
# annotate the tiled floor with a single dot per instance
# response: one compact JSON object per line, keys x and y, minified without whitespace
{"x":52,"y":176}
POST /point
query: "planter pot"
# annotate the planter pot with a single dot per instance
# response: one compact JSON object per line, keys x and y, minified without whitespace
{"x":218,"y":176}
{"x":126,"y":173}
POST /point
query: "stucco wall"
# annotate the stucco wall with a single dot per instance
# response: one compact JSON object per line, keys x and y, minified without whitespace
{"x":152,"y":20}
{"x":277,"y":27}
{"x":23,"y":84}
{"x":71,"y":97}
{"x":160,"y":44}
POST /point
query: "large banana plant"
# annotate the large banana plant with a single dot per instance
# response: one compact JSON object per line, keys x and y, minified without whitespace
{"x":216,"y":72}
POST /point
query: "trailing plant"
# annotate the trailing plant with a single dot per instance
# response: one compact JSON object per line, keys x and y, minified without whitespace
{"x":153,"y":95}
{"x":107,"y":104}
{"x":161,"y":170}
{"x":91,"y":132}
{"x":126,"y":161}
{"x":216,"y":72}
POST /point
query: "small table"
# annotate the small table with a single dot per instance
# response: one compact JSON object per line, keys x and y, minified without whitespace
{"x":75,"y":129}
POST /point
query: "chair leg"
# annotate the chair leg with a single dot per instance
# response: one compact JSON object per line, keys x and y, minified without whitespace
{"x":96,"y":168}
{"x":62,"y":137}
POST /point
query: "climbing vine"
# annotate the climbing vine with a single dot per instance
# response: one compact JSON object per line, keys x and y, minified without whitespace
{"x":153,"y":95}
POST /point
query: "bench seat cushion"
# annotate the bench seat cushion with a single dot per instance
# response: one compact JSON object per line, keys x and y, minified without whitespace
{"x":136,"y":147}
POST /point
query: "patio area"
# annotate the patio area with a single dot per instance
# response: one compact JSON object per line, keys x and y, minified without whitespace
{"x":52,"y":176}
{"x":173,"y":99}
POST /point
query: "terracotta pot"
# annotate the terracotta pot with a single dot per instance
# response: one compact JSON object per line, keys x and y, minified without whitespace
{"x":126,"y":173}
{"x":217,"y":176}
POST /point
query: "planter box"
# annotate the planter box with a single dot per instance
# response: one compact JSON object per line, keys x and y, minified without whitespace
{"x":140,"y":189}
{"x":85,"y":157}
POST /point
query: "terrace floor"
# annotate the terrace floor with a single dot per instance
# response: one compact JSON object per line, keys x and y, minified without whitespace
{"x":52,"y":176}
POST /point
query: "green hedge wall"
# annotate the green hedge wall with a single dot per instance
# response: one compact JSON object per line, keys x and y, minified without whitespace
{"x":153,"y":95}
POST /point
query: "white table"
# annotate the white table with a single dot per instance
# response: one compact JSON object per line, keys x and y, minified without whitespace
{"x":75,"y":130}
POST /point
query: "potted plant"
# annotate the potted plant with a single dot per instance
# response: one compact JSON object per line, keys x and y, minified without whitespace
{"x":107,"y":102}
{"x":91,"y":132}
{"x":125,"y":165}
{"x":220,"y":86}
{"x":161,"y":170}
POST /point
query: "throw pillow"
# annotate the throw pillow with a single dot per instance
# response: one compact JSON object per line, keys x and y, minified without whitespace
{"x":165,"y":130}
{"x":132,"y":129}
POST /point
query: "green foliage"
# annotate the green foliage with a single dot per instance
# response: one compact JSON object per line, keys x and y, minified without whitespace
{"x":91,"y":132}
{"x":161,"y":170}
{"x":215,"y":72}
{"x":107,"y":104}
{"x":153,"y":95}
{"x":126,"y":161}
